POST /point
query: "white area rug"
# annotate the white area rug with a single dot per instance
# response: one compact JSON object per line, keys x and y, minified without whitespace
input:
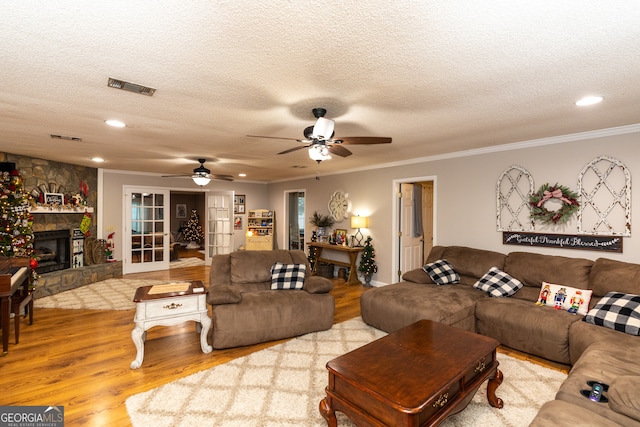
{"x":110,"y":294}
{"x":186,"y":262}
{"x":283,"y":385}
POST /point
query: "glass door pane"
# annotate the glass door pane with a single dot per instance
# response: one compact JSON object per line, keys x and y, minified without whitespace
{"x":219,"y":223}
{"x":147,"y":236}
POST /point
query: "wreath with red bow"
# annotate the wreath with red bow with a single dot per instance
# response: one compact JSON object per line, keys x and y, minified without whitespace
{"x":547,"y":192}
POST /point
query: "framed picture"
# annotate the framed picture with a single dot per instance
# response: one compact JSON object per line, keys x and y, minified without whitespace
{"x":181,"y":210}
{"x":53,"y":198}
{"x":237,"y":223}
{"x":239,"y":204}
{"x":341,"y":236}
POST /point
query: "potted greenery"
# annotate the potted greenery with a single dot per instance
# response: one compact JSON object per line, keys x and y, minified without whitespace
{"x":368,"y":261}
{"x":322,"y":222}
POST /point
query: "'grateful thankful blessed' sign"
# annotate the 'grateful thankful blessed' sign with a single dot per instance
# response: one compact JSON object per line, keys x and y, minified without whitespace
{"x":565,"y":241}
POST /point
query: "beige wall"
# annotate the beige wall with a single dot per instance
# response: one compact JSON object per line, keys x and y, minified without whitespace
{"x":112,"y":197}
{"x":465,"y":195}
{"x":465,"y":198}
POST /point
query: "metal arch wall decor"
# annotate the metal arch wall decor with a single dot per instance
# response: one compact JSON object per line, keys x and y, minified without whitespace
{"x":604,"y":186}
{"x":513,"y":188}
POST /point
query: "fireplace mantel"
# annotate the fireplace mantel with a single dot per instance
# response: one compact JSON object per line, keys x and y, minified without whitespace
{"x":43,"y":210}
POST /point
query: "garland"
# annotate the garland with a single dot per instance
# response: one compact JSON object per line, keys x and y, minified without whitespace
{"x":546,"y":192}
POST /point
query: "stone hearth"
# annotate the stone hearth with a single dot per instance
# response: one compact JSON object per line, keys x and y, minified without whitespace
{"x":71,"y":278}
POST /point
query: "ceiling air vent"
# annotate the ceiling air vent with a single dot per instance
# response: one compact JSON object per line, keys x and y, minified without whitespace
{"x":130,"y":87}
{"x":66,"y":138}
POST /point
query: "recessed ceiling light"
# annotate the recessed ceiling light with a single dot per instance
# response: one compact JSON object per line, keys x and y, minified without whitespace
{"x":98,"y":159}
{"x":115,"y":123}
{"x":242,"y":174}
{"x":589,"y":100}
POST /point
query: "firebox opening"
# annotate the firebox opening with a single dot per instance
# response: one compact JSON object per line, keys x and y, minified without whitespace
{"x":52,"y":250}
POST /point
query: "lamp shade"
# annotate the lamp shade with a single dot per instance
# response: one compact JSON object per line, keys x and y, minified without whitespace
{"x":323,"y":129}
{"x":201,"y":180}
{"x":359,"y":221}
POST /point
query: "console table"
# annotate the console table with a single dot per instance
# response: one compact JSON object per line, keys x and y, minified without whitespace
{"x":353,"y":257}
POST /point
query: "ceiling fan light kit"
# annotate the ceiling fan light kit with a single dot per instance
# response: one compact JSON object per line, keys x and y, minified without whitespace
{"x":202,"y":176}
{"x":201,"y":180}
{"x":319,"y":139}
{"x":319,"y":153}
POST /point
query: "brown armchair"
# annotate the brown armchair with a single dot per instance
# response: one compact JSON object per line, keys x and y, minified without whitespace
{"x":245,"y":310}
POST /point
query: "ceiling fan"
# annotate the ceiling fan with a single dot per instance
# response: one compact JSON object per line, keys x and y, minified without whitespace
{"x":319,"y":139}
{"x":201,"y":175}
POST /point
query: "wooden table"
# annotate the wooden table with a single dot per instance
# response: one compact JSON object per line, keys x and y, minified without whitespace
{"x":417,"y":376}
{"x":353,"y":257}
{"x":169,"y":309}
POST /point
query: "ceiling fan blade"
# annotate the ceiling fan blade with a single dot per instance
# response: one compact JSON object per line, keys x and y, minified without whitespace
{"x":221,"y":177}
{"x":364,"y":140}
{"x":177,"y":176}
{"x":291,"y":150}
{"x":339,"y":150}
{"x":273,"y":137}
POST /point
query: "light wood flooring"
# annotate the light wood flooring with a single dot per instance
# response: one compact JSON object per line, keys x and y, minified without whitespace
{"x":80,"y":359}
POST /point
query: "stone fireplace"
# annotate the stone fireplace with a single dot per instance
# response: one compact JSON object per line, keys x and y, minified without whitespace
{"x":68,"y":181}
{"x":52,"y":249}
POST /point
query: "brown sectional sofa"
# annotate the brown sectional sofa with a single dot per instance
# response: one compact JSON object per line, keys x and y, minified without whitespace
{"x":245,"y":310}
{"x":596,"y":353}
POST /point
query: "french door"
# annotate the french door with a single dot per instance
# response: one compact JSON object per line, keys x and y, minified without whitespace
{"x":146,"y":240}
{"x":219,"y":236}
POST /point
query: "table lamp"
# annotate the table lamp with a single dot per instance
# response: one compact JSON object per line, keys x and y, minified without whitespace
{"x":359,"y":222}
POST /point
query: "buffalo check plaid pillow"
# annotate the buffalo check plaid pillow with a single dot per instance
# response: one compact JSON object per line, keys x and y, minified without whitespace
{"x":498,"y":284}
{"x":617,"y":311}
{"x":441,"y":272}
{"x":287,"y":276}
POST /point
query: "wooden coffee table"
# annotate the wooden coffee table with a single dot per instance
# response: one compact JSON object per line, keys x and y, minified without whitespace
{"x":417,"y":376}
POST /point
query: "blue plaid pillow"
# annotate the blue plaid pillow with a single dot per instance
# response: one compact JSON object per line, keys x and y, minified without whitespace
{"x":617,"y":311}
{"x":287,"y":276}
{"x":441,"y":272}
{"x":498,"y":284}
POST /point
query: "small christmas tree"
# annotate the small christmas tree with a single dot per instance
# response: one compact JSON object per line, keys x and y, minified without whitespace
{"x":313,"y":251}
{"x":193,"y":231}
{"x":16,"y":233}
{"x":368,"y":261}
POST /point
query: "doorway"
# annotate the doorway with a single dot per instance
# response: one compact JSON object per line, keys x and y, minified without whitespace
{"x":183,"y":251}
{"x":295,"y":223}
{"x":414,"y":222}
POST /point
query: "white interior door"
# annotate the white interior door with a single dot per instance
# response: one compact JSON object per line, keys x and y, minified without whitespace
{"x":219,"y":236}
{"x":146,"y":242}
{"x":427,"y":218}
{"x":411,"y":247}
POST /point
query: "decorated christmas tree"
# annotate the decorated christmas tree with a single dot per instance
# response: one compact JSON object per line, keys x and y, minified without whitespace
{"x":368,"y":261}
{"x":16,"y":233}
{"x":193,"y":231}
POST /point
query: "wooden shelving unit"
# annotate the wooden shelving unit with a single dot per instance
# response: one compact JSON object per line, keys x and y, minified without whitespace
{"x":260,"y":230}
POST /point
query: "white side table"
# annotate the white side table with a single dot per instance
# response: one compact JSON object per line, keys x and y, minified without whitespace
{"x":169,"y":309}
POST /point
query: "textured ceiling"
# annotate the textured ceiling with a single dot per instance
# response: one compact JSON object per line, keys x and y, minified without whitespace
{"x":436,"y":76}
